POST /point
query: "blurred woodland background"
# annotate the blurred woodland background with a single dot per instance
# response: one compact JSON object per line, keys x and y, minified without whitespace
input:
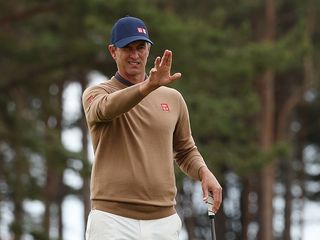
{"x":251,"y":81}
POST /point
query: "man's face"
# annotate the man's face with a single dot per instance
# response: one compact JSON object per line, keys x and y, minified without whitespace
{"x":132,"y":59}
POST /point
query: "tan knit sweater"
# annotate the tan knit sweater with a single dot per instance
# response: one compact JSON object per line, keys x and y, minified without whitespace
{"x":135,"y":141}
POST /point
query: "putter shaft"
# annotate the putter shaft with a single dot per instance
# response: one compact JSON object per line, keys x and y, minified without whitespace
{"x":213,"y":229}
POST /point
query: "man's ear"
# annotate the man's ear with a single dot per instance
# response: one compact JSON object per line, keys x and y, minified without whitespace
{"x":112,"y":50}
{"x":149,"y":47}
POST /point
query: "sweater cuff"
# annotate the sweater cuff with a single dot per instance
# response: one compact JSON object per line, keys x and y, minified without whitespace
{"x":195,"y":173}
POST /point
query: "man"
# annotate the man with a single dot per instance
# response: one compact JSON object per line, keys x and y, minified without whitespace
{"x":138,"y":127}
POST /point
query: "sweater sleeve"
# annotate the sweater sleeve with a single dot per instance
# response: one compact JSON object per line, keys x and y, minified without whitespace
{"x":101,"y":104}
{"x":187,"y":155}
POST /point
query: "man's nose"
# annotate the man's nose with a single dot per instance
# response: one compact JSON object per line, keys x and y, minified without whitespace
{"x":134,"y":53}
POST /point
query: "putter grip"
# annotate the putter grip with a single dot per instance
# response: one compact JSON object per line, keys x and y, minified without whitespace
{"x":210,"y":205}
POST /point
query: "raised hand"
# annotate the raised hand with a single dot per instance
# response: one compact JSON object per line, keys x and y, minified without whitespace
{"x":160,"y":74}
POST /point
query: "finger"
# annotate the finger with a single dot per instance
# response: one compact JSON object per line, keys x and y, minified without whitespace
{"x":217,"y":200}
{"x":169,"y":58}
{"x":157,"y":62}
{"x":166,"y":58}
{"x":205,"y":193}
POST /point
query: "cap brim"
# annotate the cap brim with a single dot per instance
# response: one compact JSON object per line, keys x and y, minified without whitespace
{"x":124,"y":42}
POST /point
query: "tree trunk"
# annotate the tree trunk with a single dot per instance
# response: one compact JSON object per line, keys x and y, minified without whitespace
{"x":267,"y":118}
{"x":267,"y":176}
{"x":18,"y":166}
{"x":60,"y":220}
{"x":247,"y":215}
{"x":288,"y":199}
{"x":86,"y":163}
{"x":265,"y":205}
{"x":54,"y":191}
{"x":301,"y":176}
{"x":47,"y":204}
{"x":17,"y":226}
{"x":220,"y":222}
{"x":284,"y":121}
{"x":60,"y":194}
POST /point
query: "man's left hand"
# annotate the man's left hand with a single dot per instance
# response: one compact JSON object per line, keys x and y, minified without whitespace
{"x":209,"y":183}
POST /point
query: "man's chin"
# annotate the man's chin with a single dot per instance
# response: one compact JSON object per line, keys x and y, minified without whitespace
{"x":135,"y":71}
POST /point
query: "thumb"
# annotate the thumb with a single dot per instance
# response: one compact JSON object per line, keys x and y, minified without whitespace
{"x":175,"y":76}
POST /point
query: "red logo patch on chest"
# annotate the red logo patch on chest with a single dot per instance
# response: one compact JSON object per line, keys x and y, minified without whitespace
{"x":165,"y":107}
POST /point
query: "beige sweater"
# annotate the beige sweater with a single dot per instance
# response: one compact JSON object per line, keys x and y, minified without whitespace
{"x":135,"y":141}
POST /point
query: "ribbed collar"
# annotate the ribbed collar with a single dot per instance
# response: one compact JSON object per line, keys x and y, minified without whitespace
{"x":125,"y":81}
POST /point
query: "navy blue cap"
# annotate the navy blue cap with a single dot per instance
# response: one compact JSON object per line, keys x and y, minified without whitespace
{"x":127,"y":30}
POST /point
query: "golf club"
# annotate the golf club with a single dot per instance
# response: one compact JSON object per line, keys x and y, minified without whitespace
{"x":211,"y":215}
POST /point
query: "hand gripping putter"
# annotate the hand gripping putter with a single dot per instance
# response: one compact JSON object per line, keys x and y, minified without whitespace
{"x":211,"y":215}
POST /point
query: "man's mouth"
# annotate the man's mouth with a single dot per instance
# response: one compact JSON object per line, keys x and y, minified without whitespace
{"x":135,"y":63}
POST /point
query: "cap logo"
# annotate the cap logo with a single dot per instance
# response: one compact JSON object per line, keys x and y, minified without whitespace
{"x":142,"y":30}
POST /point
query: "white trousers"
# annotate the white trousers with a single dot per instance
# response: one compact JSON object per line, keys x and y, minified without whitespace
{"x":106,"y":226}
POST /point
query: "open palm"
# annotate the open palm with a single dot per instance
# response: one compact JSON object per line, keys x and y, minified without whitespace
{"x":160,"y":74}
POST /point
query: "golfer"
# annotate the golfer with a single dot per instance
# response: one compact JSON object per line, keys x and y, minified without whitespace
{"x":139,"y":127}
